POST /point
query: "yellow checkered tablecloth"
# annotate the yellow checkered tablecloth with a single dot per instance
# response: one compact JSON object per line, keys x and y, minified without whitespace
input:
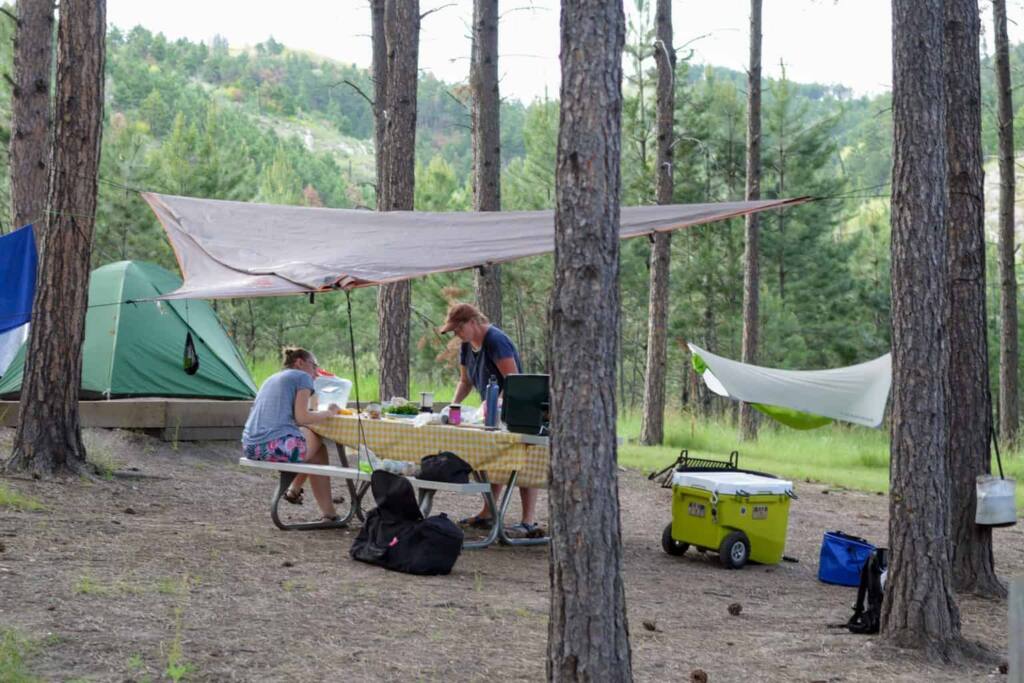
{"x":494,"y":452}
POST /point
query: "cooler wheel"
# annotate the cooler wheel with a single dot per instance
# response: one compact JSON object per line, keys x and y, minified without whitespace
{"x":671,"y":545}
{"x":735,"y":550}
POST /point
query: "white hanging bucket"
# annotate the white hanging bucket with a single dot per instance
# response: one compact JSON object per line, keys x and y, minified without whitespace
{"x":997,"y":505}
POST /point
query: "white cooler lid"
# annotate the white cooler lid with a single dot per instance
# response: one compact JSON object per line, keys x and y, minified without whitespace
{"x":726,"y":482}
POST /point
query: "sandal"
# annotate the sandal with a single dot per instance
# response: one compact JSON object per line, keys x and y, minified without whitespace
{"x":524,"y":530}
{"x":332,"y":519}
{"x":477,"y":522}
{"x":295,"y":498}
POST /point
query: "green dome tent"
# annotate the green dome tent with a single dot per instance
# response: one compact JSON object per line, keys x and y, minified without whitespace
{"x":137,"y":349}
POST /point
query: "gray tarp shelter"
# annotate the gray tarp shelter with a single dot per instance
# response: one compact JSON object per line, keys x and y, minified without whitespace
{"x":231,"y":249}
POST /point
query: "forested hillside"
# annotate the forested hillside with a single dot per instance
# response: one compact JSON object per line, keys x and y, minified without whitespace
{"x":270,"y":124}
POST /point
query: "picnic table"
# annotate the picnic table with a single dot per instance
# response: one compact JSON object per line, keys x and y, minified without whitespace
{"x":495,"y":455}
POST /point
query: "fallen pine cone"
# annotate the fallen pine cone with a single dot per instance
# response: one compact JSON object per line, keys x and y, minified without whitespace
{"x":735,"y":609}
{"x":698,"y":676}
{"x":650,"y":625}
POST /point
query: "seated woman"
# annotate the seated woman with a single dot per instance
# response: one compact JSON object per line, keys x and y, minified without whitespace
{"x":277,"y":428}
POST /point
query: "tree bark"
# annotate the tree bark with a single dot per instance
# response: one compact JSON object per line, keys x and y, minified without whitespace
{"x":486,"y":113}
{"x":380,"y":91}
{"x":652,"y":423}
{"x":1009,"y":354}
{"x":751,"y":266}
{"x":49,"y":436}
{"x":401,"y":34}
{"x":588,"y":637}
{"x":970,"y":404}
{"x":920,"y":610}
{"x":30,"y":111}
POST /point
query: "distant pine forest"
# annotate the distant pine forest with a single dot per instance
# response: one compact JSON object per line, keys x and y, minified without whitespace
{"x":270,"y":124}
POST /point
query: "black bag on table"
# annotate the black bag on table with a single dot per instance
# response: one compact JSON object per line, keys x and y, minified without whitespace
{"x":395,"y":535}
{"x":445,"y":466}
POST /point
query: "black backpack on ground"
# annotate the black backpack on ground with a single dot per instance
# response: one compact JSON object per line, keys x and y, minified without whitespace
{"x":867,"y":613}
{"x":445,"y":466}
{"x":395,"y":535}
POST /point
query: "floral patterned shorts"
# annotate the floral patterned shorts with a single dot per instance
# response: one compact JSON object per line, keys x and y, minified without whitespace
{"x":291,"y":448}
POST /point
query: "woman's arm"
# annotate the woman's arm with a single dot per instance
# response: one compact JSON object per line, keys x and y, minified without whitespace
{"x":507,"y":366}
{"x":303,"y":415}
{"x":465,"y":385}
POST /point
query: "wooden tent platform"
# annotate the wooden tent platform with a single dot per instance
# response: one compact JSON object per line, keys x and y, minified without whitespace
{"x":172,"y":419}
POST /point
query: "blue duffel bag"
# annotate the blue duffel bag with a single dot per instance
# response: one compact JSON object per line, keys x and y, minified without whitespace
{"x":842,"y":557}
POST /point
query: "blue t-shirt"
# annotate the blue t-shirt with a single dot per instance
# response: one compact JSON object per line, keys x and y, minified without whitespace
{"x":481,"y":365}
{"x":273,"y":412}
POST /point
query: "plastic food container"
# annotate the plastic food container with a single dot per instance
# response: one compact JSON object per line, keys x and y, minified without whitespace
{"x":331,"y":389}
{"x":741,"y":516}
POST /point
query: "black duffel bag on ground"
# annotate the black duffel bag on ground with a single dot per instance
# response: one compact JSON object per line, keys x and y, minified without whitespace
{"x":445,"y":466}
{"x":395,"y":535}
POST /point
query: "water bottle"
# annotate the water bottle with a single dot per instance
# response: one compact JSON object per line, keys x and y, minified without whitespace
{"x":491,"y":395}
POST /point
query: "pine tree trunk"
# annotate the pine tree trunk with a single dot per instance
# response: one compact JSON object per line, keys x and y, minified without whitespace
{"x":380,"y":92}
{"x":588,"y":637}
{"x":970,"y":405}
{"x":401,"y":34}
{"x":652,"y":423}
{"x":30,"y":111}
{"x":483,"y":80}
{"x":920,"y":609}
{"x":1009,"y":355}
{"x":49,"y":436}
{"x":751,"y":274}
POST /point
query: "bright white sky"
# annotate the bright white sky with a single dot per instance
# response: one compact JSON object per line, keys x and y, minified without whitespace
{"x":825,"y":41}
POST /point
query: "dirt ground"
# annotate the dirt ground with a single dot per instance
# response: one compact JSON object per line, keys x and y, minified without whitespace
{"x":172,"y":569}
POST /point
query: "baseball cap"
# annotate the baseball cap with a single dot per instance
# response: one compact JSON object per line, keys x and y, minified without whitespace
{"x":459,"y":314}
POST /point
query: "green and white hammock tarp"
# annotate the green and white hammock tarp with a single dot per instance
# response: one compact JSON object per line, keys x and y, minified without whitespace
{"x":803,"y":399}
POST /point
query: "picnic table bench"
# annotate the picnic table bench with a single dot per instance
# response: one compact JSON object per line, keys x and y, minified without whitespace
{"x":425,"y":491}
{"x":522,"y":459}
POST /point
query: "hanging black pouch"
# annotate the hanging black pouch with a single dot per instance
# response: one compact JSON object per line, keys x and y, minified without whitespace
{"x":191,"y":360}
{"x":445,"y":466}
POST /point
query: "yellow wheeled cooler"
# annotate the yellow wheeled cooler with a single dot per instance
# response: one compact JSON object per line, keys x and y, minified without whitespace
{"x":740,"y":515}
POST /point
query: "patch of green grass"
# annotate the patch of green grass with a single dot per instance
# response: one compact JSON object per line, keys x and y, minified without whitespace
{"x":14,"y":650}
{"x":177,"y":668}
{"x":13,"y":499}
{"x":87,"y":585}
{"x":104,"y":463}
{"x":170,"y":586}
{"x":135,"y":662}
{"x":838,"y":455}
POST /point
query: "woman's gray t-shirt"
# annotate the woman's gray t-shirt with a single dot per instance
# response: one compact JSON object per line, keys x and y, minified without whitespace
{"x":273,"y":412}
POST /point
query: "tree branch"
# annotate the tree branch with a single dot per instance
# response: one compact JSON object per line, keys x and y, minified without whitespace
{"x":358,"y":90}
{"x":463,"y":104}
{"x":436,"y":9}
{"x":13,"y":17}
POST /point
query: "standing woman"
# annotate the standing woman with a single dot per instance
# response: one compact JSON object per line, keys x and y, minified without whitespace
{"x":278,"y":426}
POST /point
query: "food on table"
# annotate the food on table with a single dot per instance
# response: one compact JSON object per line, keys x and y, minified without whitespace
{"x":406,"y":409}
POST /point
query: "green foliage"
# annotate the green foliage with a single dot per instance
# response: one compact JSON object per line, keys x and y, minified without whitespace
{"x":271,"y":124}
{"x":15,"y":649}
{"x":13,"y":499}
